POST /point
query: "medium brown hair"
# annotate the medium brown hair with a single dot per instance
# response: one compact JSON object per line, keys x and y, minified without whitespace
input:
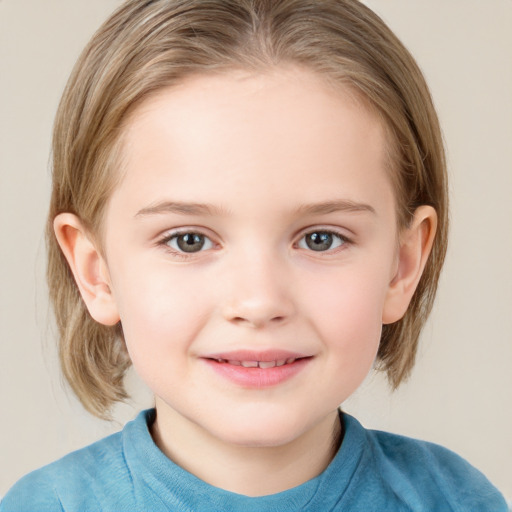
{"x":147,"y":45}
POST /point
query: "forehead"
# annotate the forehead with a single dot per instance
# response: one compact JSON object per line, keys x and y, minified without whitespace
{"x":256,"y":130}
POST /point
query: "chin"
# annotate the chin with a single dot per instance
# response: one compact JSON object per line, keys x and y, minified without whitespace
{"x":260,"y":439}
{"x":261,"y":432}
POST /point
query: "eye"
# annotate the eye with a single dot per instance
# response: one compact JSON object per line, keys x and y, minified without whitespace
{"x":320,"y":241}
{"x":188,"y":242}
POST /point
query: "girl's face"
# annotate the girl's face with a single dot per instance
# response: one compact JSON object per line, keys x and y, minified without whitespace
{"x":250,"y":248}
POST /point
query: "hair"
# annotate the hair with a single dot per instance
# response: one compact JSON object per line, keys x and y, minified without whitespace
{"x":148,"y":45}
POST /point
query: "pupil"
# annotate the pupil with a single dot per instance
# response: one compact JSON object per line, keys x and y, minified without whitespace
{"x":190,"y":242}
{"x":319,"y":241}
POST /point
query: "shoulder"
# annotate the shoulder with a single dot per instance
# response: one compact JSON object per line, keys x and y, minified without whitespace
{"x":78,"y":481}
{"x":431,"y":475}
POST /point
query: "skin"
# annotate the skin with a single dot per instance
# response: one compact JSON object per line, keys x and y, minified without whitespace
{"x":275,"y":156}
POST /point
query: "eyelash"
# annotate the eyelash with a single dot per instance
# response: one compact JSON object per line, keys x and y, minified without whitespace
{"x":164,"y":242}
{"x":168,"y":237}
{"x":342,"y":238}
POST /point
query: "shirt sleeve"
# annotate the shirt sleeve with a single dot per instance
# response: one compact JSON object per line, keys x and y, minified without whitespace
{"x":31,"y":493}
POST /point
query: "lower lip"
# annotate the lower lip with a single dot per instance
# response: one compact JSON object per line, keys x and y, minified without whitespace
{"x":258,"y":377}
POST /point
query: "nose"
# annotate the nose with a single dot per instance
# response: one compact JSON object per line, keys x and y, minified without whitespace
{"x":258,"y":293}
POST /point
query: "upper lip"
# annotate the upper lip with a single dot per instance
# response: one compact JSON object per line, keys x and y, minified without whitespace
{"x":256,"y":355}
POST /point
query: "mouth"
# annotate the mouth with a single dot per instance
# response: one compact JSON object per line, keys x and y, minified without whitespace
{"x":259,"y":364}
{"x":258,"y":369}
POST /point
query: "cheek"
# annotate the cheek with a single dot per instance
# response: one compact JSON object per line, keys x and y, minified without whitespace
{"x":159,"y":309}
{"x":346,"y":308}
{"x":161,"y":317}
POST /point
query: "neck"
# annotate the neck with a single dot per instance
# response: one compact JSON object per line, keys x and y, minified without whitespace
{"x":247,"y":470}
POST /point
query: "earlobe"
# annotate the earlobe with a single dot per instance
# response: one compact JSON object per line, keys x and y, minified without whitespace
{"x":415,"y":246}
{"x":88,"y":267}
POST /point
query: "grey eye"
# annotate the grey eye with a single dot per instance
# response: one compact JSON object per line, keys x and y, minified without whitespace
{"x":190,"y":242}
{"x":321,"y":241}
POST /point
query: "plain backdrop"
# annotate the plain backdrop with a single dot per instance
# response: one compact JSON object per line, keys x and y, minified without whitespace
{"x":460,"y":394}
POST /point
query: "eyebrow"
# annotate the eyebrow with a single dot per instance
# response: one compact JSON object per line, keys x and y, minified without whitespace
{"x":341,"y":205}
{"x":183,"y":208}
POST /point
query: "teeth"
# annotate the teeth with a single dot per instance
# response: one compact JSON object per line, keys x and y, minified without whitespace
{"x":260,"y":364}
{"x":249,"y":364}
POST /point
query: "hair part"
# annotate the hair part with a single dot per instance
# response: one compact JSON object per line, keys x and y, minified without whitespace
{"x":148,"y":45}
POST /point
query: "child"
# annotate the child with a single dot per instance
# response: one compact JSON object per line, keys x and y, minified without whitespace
{"x":249,"y":204}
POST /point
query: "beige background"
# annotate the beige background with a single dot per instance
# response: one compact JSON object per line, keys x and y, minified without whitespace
{"x":461,"y":392}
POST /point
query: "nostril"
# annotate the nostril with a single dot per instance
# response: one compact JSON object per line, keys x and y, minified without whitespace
{"x":257,"y":313}
{"x":257,"y":322}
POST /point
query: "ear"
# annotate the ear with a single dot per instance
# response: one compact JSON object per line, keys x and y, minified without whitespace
{"x":414,"y":248}
{"x":88,"y":267}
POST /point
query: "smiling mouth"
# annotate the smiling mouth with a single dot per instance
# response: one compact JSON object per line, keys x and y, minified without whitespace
{"x":258,"y":370}
{"x":259,"y":364}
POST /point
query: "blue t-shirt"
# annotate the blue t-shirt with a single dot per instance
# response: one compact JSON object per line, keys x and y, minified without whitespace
{"x":372,"y":472}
